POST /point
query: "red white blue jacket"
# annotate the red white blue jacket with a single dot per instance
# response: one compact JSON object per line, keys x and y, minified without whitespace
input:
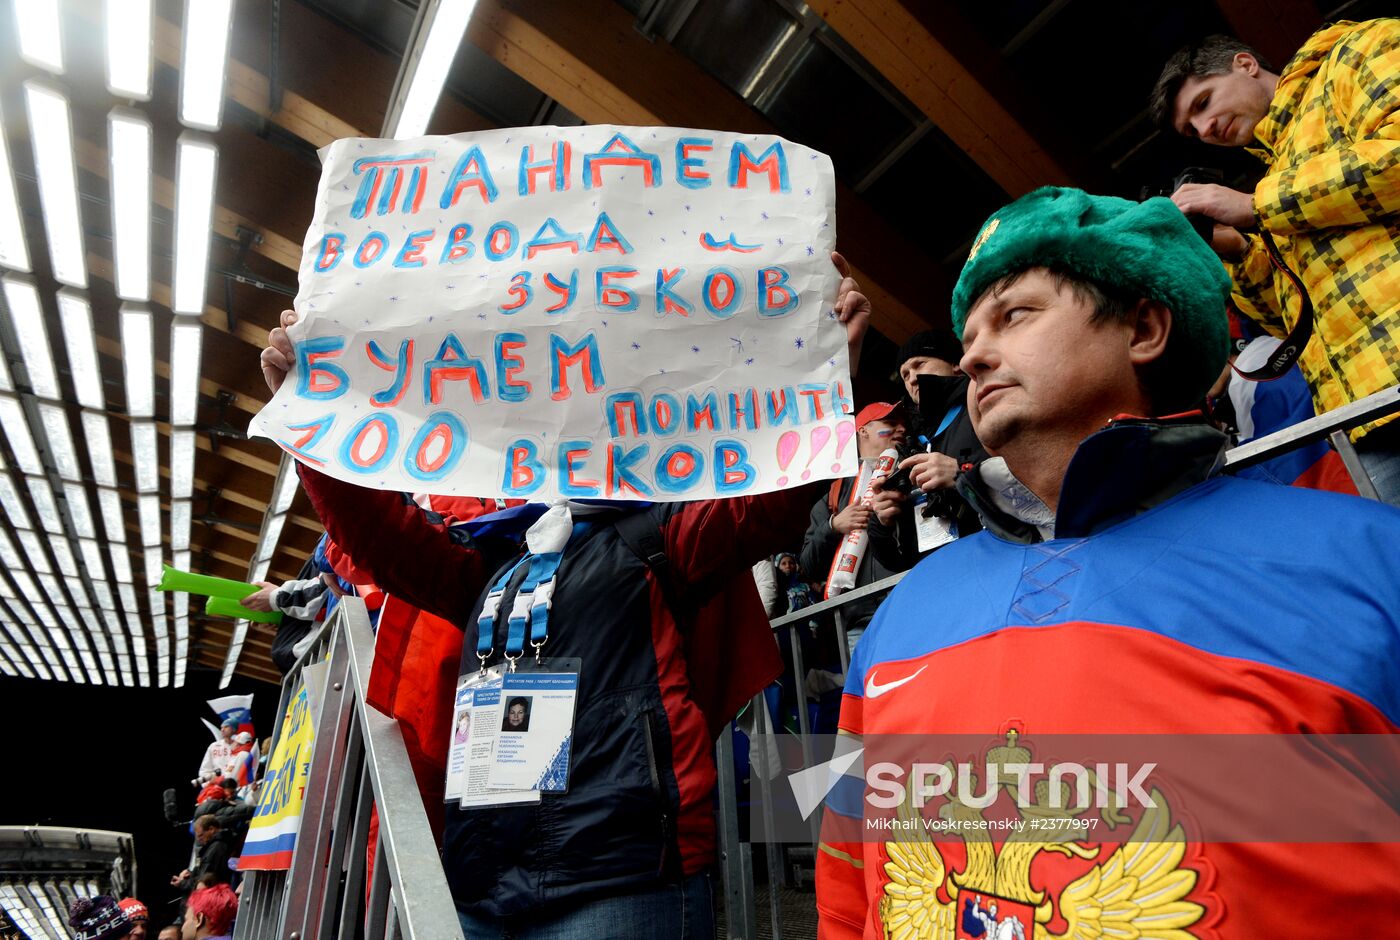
{"x":1171,"y":601}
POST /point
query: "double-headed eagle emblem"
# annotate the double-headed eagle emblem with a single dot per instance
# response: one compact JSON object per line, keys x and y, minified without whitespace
{"x":1137,"y":887}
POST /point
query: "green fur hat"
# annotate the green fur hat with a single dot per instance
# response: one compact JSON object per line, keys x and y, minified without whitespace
{"x":1139,"y":246}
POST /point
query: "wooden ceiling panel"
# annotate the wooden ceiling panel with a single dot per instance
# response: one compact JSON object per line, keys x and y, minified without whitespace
{"x":357,"y":97}
{"x":927,"y":73}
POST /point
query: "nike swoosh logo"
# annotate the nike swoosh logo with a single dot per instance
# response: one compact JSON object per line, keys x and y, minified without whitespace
{"x":874,"y":689}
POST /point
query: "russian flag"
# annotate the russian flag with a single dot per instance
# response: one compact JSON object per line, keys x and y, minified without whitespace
{"x":1262,"y":408}
{"x":237,"y":707}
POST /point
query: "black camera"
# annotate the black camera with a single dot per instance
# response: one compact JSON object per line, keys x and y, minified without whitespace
{"x":899,"y":479}
{"x":171,"y":807}
{"x":1204,"y":225}
{"x":943,"y":503}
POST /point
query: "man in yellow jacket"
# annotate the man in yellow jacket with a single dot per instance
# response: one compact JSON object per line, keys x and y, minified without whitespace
{"x":1328,"y":129}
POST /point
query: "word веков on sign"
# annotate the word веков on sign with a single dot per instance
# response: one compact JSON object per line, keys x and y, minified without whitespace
{"x":614,"y":312}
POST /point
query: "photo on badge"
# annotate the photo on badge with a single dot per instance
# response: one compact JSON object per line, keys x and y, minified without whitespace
{"x":517,"y":717}
{"x":488,"y":715}
{"x":536,"y":736}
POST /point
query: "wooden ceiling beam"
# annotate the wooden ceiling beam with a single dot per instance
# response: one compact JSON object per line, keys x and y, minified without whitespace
{"x":91,"y":157}
{"x":318,"y":98}
{"x":236,"y":496}
{"x":259,"y":634}
{"x":274,"y":246}
{"x":216,"y":318}
{"x":257,"y":671}
{"x":926,"y":72}
{"x":135,"y":549}
{"x":112,"y":349}
{"x":244,"y":85}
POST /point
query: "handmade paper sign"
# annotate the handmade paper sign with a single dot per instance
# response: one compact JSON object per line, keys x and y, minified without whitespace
{"x":613,"y":312}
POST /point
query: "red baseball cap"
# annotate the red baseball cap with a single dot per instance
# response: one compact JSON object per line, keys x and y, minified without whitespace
{"x":876,"y":411}
{"x":134,"y":910}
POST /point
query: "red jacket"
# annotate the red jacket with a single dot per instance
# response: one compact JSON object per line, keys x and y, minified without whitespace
{"x":701,"y":673}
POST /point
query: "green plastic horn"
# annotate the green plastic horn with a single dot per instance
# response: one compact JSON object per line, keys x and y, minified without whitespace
{"x":225,"y":607}
{"x":173,"y":579}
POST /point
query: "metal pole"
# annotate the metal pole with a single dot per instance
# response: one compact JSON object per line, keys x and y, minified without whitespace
{"x":1352,"y":461}
{"x":377,"y":916}
{"x":1373,"y":406}
{"x":422,"y":900}
{"x":308,"y":878}
{"x":352,"y":903}
{"x":804,"y":724}
{"x":345,"y":804}
{"x":772,"y":848}
{"x":736,"y":864}
{"x":842,"y":641}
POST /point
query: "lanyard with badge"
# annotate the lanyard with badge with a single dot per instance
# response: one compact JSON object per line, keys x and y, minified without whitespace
{"x":522,"y":712}
{"x":934,"y":530}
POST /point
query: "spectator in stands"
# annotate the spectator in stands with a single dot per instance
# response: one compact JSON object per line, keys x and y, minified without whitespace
{"x":633,"y":838}
{"x":765,"y":578}
{"x":878,"y":426}
{"x":940,"y":430}
{"x":170,"y":932}
{"x":1118,"y":570}
{"x":301,"y":602}
{"x":137,"y":916}
{"x":230,"y":787}
{"x":211,"y":858}
{"x":216,"y":755}
{"x":935,"y":405}
{"x":216,"y":800}
{"x":209,"y":914}
{"x":1325,"y":127}
{"x":782,"y":585}
{"x":98,"y":918}
{"x":241,"y":764}
{"x":232,"y":813}
{"x":792,"y":583}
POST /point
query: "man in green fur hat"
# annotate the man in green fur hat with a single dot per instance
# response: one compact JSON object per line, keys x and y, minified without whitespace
{"x":1122,"y":589}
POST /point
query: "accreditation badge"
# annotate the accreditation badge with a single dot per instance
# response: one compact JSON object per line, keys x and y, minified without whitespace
{"x":461,"y":731}
{"x":932,"y":530}
{"x":536,"y":727}
{"x":479,"y":698}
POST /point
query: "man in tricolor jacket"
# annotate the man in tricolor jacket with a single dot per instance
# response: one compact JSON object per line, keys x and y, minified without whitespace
{"x":1123,"y":590}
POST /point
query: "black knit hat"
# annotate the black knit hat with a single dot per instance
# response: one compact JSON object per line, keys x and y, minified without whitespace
{"x":98,"y":918}
{"x":940,"y":344}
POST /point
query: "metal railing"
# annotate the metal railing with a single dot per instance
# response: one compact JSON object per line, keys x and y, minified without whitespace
{"x":358,"y":763}
{"x":359,"y":760}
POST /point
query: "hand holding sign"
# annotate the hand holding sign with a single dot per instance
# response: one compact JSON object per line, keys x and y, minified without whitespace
{"x":277,"y":358}
{"x":852,"y":308}
{"x":629,"y":313}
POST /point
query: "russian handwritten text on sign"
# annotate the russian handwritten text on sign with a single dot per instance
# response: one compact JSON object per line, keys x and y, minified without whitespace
{"x":625,"y":313}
